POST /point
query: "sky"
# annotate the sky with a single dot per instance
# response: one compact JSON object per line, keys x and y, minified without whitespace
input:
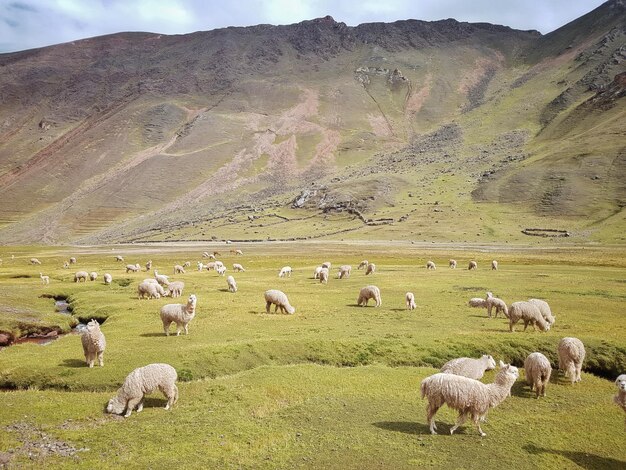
{"x":26,"y":24}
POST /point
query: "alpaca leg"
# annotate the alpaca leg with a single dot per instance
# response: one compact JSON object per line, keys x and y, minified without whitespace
{"x":101,"y":358}
{"x":178,"y":329}
{"x":186,"y":326}
{"x":525,"y":324}
{"x":460,"y":420}
{"x":511,"y":325}
{"x":489,"y":311}
{"x":130,"y":406}
{"x":140,"y":406}
{"x":268,"y":304}
{"x":166,"y":328}
{"x":172,"y":395}
{"x":431,"y":410}
{"x":476,"y":419}
{"x":91,"y":360}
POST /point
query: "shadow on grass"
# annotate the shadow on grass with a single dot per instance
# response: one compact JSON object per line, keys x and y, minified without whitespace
{"x":75,"y":363}
{"x":399,"y":310}
{"x":154,"y":335}
{"x":406,"y":427}
{"x":373,"y":304}
{"x":582,"y":459}
{"x":223,"y":290}
{"x":522,"y":390}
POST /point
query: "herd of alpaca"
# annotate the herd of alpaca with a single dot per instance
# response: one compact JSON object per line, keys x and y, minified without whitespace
{"x":457,"y":385}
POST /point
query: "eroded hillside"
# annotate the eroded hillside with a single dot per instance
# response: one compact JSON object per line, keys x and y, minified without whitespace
{"x":411,"y":130}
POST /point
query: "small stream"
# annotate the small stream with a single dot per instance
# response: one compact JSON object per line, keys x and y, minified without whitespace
{"x":61,"y":305}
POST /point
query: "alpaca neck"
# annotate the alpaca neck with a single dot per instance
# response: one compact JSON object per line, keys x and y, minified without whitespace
{"x":497,"y":394}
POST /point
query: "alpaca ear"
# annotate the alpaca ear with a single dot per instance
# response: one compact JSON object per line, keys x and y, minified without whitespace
{"x":501,"y":364}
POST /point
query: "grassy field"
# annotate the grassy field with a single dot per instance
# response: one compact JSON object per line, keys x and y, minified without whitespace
{"x":333,"y":385}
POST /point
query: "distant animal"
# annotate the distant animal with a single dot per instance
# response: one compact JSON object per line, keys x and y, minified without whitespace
{"x":134,"y":268}
{"x":472,"y":265}
{"x":44,"y":279}
{"x":410,"y":301}
{"x":279,"y":300}
{"x":285,"y":272}
{"x":81,"y":276}
{"x":367,"y":293}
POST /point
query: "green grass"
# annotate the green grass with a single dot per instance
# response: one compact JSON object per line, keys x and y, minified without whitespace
{"x":333,"y":385}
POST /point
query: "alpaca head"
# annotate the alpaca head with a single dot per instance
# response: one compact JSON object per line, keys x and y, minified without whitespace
{"x":491,"y":362}
{"x":621,"y":383}
{"x":115,"y":406}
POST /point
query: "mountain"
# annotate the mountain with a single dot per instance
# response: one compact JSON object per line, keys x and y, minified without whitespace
{"x":410,"y":130}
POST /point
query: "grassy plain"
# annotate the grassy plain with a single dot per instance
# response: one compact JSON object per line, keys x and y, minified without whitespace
{"x":333,"y":385}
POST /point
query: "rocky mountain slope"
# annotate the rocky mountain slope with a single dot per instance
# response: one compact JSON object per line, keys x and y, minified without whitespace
{"x":410,"y":130}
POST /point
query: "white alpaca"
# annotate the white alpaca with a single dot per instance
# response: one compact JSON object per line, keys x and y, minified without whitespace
{"x":544,"y":308}
{"x":529,"y":314}
{"x":469,"y":367}
{"x":151,"y":290}
{"x":132,"y":268}
{"x":44,"y":279}
{"x":538,"y":370}
{"x":142,"y":381}
{"x":468,"y":396}
{"x":316,"y":273}
{"x":472,"y":265}
{"x":410,"y":301}
{"x":179,"y":314}
{"x":324,"y":274}
{"x":363,"y":264}
{"x":344,"y":271}
{"x":367,"y":293}
{"x":238,"y":268}
{"x":94,"y":343}
{"x":285,"y":271}
{"x":175,"y":288}
{"x":371,"y":269}
{"x":494,"y":265}
{"x":620,"y":398}
{"x":280,"y":300}
{"x":81,"y":276}
{"x":161,"y":278}
{"x":431,"y":265}
{"x":571,"y":352}
{"x":232,"y":285}
{"x":452,"y":263}
{"x":499,"y":304}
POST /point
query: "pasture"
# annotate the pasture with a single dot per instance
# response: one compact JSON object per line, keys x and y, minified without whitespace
{"x":332,"y":386}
